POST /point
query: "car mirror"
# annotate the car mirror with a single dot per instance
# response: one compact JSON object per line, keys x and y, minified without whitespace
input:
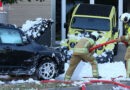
{"x":66,"y":25}
{"x":115,"y":29}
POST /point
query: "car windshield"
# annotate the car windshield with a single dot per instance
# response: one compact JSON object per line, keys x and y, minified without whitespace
{"x":90,"y":23}
{"x":10,"y":36}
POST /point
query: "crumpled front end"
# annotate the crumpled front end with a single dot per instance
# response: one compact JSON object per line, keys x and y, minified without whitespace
{"x":101,"y":53}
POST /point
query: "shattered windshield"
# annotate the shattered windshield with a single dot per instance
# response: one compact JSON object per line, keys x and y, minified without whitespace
{"x":90,"y":23}
{"x":10,"y":36}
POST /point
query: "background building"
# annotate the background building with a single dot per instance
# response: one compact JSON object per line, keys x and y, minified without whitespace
{"x":59,"y":11}
{"x":20,"y":12}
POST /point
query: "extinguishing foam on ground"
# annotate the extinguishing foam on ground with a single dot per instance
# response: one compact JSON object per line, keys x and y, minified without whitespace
{"x":106,"y":70}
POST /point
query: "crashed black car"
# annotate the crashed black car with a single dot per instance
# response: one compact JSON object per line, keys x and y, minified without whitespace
{"x":19,"y":55}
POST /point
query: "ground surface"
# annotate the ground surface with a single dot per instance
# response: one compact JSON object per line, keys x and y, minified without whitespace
{"x":121,"y":53}
{"x":24,"y":83}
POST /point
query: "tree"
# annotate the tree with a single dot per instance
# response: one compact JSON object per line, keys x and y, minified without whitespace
{"x":15,"y":1}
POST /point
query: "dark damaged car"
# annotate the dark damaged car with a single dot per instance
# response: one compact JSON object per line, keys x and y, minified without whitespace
{"x":19,"y":55}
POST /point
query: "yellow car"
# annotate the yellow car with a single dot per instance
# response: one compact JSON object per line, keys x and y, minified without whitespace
{"x":96,"y":18}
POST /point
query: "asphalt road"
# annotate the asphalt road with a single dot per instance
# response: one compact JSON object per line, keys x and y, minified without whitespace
{"x":121,"y":52}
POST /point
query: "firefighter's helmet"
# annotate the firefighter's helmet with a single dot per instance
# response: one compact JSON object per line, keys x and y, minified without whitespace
{"x":125,"y":17}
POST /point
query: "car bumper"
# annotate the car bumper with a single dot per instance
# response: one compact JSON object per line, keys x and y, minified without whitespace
{"x":17,"y":71}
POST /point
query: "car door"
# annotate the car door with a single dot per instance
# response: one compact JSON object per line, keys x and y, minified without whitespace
{"x":12,"y":51}
{"x":23,"y":55}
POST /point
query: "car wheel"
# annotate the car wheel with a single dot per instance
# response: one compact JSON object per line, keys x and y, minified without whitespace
{"x":47,"y":69}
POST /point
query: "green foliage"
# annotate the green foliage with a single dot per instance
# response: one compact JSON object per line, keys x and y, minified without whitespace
{"x":15,"y":1}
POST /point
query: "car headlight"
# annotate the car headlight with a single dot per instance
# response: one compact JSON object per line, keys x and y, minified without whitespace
{"x":76,"y":34}
{"x":72,"y":44}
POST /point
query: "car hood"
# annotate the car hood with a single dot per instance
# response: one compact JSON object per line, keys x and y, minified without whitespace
{"x":42,"y":49}
{"x":103,"y":36}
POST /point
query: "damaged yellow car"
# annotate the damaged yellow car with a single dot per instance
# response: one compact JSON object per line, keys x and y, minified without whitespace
{"x":96,"y":18}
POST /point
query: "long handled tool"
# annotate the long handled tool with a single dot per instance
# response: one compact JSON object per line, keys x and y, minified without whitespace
{"x":112,"y":41}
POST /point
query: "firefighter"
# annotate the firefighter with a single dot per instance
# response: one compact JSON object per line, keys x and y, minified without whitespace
{"x":81,"y":52}
{"x":126,"y":38}
{"x":125,"y":18}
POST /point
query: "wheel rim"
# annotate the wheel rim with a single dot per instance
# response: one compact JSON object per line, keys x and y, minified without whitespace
{"x":47,"y":70}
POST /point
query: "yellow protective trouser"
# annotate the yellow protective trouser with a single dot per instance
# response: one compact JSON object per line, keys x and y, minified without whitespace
{"x":75,"y":59}
{"x":128,"y":68}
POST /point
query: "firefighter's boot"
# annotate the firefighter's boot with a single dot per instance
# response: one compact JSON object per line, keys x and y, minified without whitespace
{"x":67,"y":78}
{"x":95,"y":69}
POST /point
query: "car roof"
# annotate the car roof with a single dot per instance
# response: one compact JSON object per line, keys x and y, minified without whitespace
{"x":9,"y":26}
{"x":94,"y":10}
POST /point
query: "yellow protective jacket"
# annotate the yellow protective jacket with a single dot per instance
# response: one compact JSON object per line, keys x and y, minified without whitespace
{"x":127,"y":39}
{"x":83,"y":46}
{"x":127,"y":28}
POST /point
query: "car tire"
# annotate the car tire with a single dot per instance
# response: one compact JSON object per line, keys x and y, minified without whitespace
{"x":47,"y":69}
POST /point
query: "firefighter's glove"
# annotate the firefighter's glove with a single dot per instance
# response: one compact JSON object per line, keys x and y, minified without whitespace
{"x":119,"y":40}
{"x":92,"y":52}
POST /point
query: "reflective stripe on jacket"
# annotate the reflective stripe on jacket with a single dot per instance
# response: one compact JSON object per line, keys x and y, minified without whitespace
{"x":127,"y":28}
{"x":127,"y":39}
{"x":83,"y":45}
